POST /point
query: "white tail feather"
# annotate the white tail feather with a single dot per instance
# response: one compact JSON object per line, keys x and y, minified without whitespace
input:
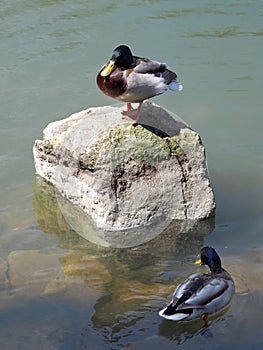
{"x":175,"y":86}
{"x":174,"y":317}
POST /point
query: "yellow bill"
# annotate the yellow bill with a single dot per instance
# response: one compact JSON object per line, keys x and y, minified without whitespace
{"x":109,"y":69}
{"x":198,"y":262}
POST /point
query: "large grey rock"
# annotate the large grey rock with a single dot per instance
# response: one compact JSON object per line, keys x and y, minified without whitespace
{"x":127,"y":176}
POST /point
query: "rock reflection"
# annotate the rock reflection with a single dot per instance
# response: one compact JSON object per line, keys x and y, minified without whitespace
{"x":87,"y":268}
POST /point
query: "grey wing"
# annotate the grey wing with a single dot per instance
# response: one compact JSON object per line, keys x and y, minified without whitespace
{"x":208,"y":292}
{"x":148,"y":66}
{"x":190,"y":284}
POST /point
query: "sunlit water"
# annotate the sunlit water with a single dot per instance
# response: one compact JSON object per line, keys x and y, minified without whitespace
{"x":58,"y":291}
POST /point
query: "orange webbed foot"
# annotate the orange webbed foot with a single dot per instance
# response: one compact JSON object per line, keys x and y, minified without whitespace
{"x":132,"y":115}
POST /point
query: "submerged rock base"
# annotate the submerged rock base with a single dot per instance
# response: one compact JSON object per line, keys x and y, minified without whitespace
{"x":127,"y":176}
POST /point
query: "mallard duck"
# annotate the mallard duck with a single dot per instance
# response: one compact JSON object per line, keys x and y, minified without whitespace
{"x":201,"y":294}
{"x":133,"y":79}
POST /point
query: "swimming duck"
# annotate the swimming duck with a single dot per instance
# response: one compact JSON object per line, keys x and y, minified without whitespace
{"x":201,"y":294}
{"x":133,"y":79}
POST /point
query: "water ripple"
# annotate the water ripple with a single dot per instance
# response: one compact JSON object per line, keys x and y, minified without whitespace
{"x":228,"y":32}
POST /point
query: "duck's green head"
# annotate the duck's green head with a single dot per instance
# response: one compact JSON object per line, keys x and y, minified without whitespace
{"x":209,"y":257}
{"x":121,"y":58}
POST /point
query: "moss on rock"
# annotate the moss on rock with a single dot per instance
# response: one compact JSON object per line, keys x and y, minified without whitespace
{"x":124,"y":142}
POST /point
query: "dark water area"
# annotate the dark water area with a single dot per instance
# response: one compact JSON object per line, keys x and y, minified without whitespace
{"x":60,"y":291}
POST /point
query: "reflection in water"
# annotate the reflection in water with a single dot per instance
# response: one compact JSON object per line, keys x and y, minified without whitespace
{"x":133,"y":282}
{"x":181,"y":331}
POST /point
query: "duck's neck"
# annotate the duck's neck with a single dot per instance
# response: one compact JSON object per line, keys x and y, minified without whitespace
{"x":215,"y":266}
{"x":216,"y":269}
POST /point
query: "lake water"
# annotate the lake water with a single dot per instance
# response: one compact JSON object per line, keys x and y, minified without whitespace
{"x":58,"y":291}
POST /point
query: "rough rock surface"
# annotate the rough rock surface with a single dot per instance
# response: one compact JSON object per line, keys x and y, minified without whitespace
{"x":127,"y":176}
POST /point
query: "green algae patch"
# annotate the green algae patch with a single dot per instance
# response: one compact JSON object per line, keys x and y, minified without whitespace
{"x":190,"y":142}
{"x":123,"y":143}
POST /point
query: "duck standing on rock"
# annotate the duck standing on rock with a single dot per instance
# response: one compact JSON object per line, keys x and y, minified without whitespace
{"x":201,"y":294}
{"x":133,"y":79}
